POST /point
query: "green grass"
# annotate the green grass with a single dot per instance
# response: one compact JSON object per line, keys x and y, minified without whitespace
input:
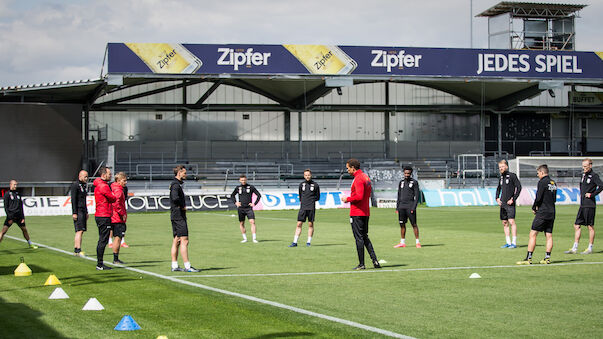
{"x":537,"y":301}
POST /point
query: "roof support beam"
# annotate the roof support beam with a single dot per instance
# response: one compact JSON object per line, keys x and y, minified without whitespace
{"x":207,"y":93}
{"x":152,"y":92}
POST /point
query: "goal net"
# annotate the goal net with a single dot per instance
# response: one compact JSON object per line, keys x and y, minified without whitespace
{"x":562,"y":169}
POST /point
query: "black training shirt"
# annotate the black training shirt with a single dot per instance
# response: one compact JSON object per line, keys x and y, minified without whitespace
{"x":177,"y":200}
{"x":590,"y":183}
{"x":546,"y":195}
{"x":78,"y":197}
{"x":309,"y":194}
{"x":508,"y":187}
{"x":242,"y":194}
{"x":408,"y":194}
{"x":13,"y":205}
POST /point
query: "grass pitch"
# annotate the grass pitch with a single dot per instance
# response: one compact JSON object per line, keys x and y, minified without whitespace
{"x":555,"y":301}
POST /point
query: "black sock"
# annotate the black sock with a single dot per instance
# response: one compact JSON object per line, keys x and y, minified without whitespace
{"x":548,"y":255}
{"x":115,"y":256}
{"x":529,"y":255}
{"x":77,"y":250}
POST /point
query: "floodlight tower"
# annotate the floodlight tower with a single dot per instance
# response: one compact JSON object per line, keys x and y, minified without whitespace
{"x":528,"y":25}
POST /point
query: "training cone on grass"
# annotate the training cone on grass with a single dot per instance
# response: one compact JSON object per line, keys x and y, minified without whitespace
{"x":93,"y":305}
{"x":475,"y":276}
{"x":127,"y":324}
{"x":58,"y":293}
{"x":52,"y":280}
{"x":162,"y":337}
{"x":22,"y":270}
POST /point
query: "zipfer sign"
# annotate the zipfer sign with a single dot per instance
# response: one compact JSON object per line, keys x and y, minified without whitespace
{"x":208,"y":59}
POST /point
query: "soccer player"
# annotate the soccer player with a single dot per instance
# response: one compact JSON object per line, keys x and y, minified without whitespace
{"x":242,"y":196}
{"x":406,"y":206}
{"x":120,"y":215}
{"x":79,"y":209}
{"x":359,"y":200}
{"x":544,"y":210}
{"x":104,"y":210}
{"x":507,"y":192}
{"x":309,"y":194}
{"x":13,"y":206}
{"x":590,"y":186}
{"x":179,"y":222}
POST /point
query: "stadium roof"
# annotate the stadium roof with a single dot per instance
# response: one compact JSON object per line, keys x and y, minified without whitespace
{"x":532,"y":9}
{"x":80,"y":92}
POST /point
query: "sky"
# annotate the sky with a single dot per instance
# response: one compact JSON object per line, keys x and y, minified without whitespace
{"x":60,"y":40}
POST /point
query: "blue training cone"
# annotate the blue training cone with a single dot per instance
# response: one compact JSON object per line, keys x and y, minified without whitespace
{"x":127,"y":324}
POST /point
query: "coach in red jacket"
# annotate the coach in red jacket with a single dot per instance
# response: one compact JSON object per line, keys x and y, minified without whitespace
{"x":359,"y":200}
{"x":104,"y":210}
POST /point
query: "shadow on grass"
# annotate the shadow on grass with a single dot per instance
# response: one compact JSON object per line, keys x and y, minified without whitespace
{"x":149,"y":262}
{"x":21,"y":321}
{"x":216,"y":268}
{"x":283,"y":335}
{"x":100,"y":278}
{"x":562,"y":261}
{"x":268,"y":240}
{"x":17,"y":251}
{"x":8,"y":270}
{"x":388,"y":266}
{"x":431,"y":245}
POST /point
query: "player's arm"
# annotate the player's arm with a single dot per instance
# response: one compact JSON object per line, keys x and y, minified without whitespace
{"x":539,"y":195}
{"x":416,"y":194}
{"x":258,"y":196}
{"x":358,"y":191}
{"x":6,"y":202}
{"x":498,"y":192}
{"x":517,"y":185}
{"x":234,"y":197}
{"x":300,"y":193}
{"x":75,"y":189}
{"x":175,"y":196}
{"x":108,"y":194}
{"x":399,"y":198}
{"x":599,"y":184}
{"x":317,"y":193}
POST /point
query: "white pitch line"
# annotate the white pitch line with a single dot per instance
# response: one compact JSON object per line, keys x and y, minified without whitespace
{"x":239,"y":295}
{"x":378,"y":270}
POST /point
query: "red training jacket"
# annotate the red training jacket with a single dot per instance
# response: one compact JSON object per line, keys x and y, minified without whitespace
{"x":104,"y":198}
{"x":119,"y":206}
{"x":360,"y":196}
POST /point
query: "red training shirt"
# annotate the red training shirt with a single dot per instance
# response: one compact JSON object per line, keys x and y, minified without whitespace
{"x":361,"y":195}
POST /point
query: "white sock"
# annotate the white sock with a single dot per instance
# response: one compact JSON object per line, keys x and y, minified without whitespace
{"x":590,"y":247}
{"x":174,"y":264}
{"x":295,"y":239}
{"x":123,"y":240}
{"x":244,"y":236}
{"x":253,"y":235}
{"x":402,"y":241}
{"x":417,"y":241}
{"x":309,"y":240}
{"x":29,"y":242}
{"x":508,"y":239}
{"x":575,"y":247}
{"x":110,"y":241}
{"x":187,"y":265}
{"x":514,"y":241}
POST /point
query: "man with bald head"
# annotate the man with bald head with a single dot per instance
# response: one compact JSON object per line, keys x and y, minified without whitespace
{"x":13,"y":206}
{"x":79,"y":210}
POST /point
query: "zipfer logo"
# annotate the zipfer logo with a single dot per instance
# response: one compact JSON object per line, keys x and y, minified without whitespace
{"x":394,"y":59}
{"x":241,"y":57}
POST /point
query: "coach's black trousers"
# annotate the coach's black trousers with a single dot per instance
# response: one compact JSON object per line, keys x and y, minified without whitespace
{"x":104,"y":230}
{"x":360,"y":228}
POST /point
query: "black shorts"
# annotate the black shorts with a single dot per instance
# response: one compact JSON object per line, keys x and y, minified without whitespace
{"x":81,"y":223}
{"x":246,"y":212}
{"x":119,"y":230}
{"x":306,"y":214}
{"x":586,"y":216}
{"x":507,"y":211}
{"x":16,"y":219}
{"x":404,"y":215}
{"x":179,"y":228}
{"x":541,"y":225}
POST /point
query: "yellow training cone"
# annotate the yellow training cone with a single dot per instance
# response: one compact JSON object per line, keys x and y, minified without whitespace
{"x":52,"y":280}
{"x":22,"y":270}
